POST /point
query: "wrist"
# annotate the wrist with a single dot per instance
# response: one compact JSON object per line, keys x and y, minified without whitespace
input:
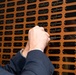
{"x":24,"y":53}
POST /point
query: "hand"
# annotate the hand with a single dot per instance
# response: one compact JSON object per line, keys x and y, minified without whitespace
{"x":38,"y":38}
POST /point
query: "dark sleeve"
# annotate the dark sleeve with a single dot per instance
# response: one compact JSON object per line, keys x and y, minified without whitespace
{"x":4,"y":72}
{"x":16,"y":64}
{"x":37,"y":63}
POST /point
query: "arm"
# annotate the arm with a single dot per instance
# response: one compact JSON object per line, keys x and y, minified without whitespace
{"x":37,"y":63}
{"x":16,"y":64}
{"x":4,"y":72}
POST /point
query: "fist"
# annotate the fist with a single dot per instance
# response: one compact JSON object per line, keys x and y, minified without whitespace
{"x":38,"y":38}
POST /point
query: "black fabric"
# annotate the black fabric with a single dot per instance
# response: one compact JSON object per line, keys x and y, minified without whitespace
{"x":16,"y":64}
{"x":36,"y":63}
{"x":4,"y":72}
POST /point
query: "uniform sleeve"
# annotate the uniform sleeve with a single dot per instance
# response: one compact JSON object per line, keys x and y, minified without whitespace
{"x":16,"y":64}
{"x":37,"y":63}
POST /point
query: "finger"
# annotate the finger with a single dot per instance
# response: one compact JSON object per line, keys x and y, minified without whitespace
{"x":36,"y":26}
{"x":42,"y":28}
{"x":49,"y":39}
{"x":47,"y":34}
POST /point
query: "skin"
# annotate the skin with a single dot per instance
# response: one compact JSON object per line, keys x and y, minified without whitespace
{"x":37,"y":39}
